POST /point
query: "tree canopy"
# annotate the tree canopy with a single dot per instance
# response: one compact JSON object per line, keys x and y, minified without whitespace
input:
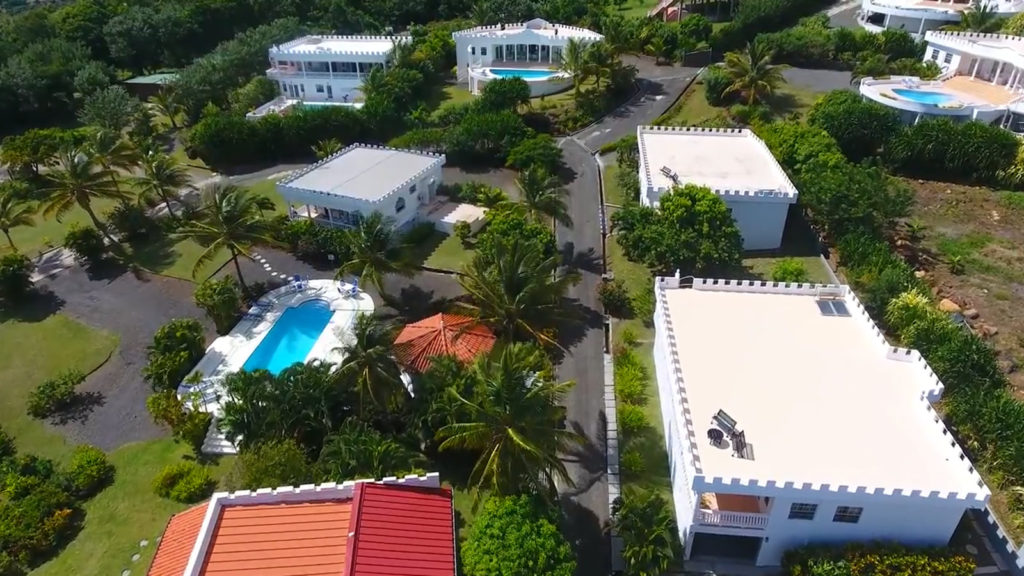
{"x":517,"y":536}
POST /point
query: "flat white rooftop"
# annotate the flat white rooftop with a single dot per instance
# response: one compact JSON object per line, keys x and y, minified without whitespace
{"x":724,"y":160}
{"x":817,"y":396}
{"x":538,"y":26}
{"x":338,"y":45}
{"x":363,"y":172}
{"x":1002,"y":47}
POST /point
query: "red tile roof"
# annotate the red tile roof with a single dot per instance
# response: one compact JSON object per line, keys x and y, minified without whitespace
{"x":176,"y":545}
{"x":402,"y":531}
{"x":282,"y":539}
{"x":441,"y":335}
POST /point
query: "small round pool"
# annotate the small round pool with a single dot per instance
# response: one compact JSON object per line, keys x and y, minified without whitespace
{"x":524,"y":73}
{"x":924,"y":96}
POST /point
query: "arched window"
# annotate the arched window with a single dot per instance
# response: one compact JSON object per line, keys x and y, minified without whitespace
{"x":400,"y":205}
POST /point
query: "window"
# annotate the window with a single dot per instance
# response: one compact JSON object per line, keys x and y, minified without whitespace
{"x":472,"y":50}
{"x":948,"y":58}
{"x":319,"y":88}
{"x":483,"y":51}
{"x":412,"y":189}
{"x":847,"y":514}
{"x":400,"y":205}
{"x":935,"y":54}
{"x":798,"y":511}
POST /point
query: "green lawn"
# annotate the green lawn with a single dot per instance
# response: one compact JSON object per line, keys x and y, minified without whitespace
{"x":456,"y":94}
{"x":268,"y":188}
{"x":443,"y":251}
{"x":125,"y":512}
{"x":48,"y":232}
{"x":693,"y":108}
{"x":176,"y":258}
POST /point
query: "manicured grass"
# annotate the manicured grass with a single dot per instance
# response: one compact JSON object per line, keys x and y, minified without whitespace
{"x":48,"y":232}
{"x":176,"y":258}
{"x":268,"y":188}
{"x":456,"y":94}
{"x":444,"y":252}
{"x":33,"y":351}
{"x":612,"y":192}
{"x":635,"y":8}
{"x":125,"y":513}
{"x":693,"y":108}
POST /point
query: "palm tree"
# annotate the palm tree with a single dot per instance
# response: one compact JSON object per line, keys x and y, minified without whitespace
{"x":752,"y":72}
{"x":574,"y":63}
{"x":601,"y":61}
{"x":78,"y":179}
{"x":377,"y":250}
{"x":515,"y":421}
{"x":229,"y":218}
{"x":326,"y":148}
{"x":517,"y":292}
{"x":14,"y":212}
{"x":166,"y":102}
{"x":980,"y":17}
{"x":542,"y":196}
{"x":162,"y":178}
{"x":113,"y":153}
{"x":644,"y":521}
{"x":368,"y":362}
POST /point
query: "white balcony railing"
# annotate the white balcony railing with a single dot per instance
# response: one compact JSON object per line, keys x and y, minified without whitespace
{"x":726,"y":519}
{"x":289,"y":73}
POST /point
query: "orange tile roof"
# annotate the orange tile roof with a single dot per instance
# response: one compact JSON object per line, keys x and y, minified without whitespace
{"x":441,"y":335}
{"x":176,"y":545}
{"x":286,"y":539}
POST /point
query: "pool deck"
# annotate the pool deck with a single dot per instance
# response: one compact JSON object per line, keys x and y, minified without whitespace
{"x":228,"y":353}
{"x":965,"y":93}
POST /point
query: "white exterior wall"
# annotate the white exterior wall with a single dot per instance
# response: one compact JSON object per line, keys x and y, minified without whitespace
{"x":761,"y":223}
{"x":298,"y":73}
{"x":912,"y":522}
{"x":426,"y":188}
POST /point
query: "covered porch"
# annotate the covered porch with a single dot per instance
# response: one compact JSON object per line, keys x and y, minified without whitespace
{"x":732,"y":511}
{"x":333,"y":217}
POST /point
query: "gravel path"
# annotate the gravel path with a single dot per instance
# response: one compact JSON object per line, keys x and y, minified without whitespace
{"x":133,"y":307}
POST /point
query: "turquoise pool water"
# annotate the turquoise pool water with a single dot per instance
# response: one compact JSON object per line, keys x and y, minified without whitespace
{"x":923,"y":96}
{"x":290,"y":338}
{"x":524,"y":73}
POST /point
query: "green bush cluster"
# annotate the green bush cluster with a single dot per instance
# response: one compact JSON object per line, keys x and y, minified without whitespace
{"x":962,"y":151}
{"x":40,"y":507}
{"x":756,"y":16}
{"x":54,"y":395}
{"x":473,"y":192}
{"x":177,"y":347}
{"x":812,"y":43}
{"x":876,"y":559}
{"x":86,"y":243}
{"x":89,"y":471}
{"x":631,"y":380}
{"x":221,"y":300}
{"x":627,"y":158}
{"x":789,"y":270}
{"x":226,"y":139}
{"x":15,"y":278}
{"x":861,"y":128}
{"x":131,"y":222}
{"x":312,"y":242}
{"x":615,"y":299}
{"x":185,"y":482}
{"x":187,"y":424}
{"x":517,"y":536}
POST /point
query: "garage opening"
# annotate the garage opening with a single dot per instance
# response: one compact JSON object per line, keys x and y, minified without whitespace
{"x":735,"y":548}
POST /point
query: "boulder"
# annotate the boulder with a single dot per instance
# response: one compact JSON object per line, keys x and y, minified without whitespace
{"x":948,"y":306}
{"x":1007,"y":365}
{"x":988,"y":331}
{"x":971,"y":314}
{"x":920,"y":273}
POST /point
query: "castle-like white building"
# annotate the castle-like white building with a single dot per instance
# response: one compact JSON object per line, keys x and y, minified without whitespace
{"x":920,"y":16}
{"x":789,"y":420}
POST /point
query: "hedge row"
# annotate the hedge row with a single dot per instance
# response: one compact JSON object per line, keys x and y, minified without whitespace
{"x":878,"y":559}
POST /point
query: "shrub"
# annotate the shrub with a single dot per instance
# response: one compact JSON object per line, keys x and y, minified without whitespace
{"x":789,"y":270}
{"x":875,"y":559}
{"x":860,"y":127}
{"x":89,"y":471}
{"x":614,"y":298}
{"x":185,"y":482}
{"x":7,"y":447}
{"x":463,"y":231}
{"x":970,"y":151}
{"x":35,"y":524}
{"x":86,"y":243}
{"x":312,"y":242}
{"x":54,"y":395}
{"x":9,"y":566}
{"x":716,"y":82}
{"x":516,"y":536}
{"x":628,"y":338}
{"x":503,"y":94}
{"x":15,"y":277}
{"x":221,"y":300}
{"x":176,"y":348}
{"x":540,"y":150}
{"x":189,"y":425}
{"x":631,"y":419}
{"x":631,"y":385}
{"x":418,"y":234}
{"x":131,"y":222}
{"x":631,"y":461}
{"x":274,"y":463}
{"x":505,"y":225}
{"x":749,"y":114}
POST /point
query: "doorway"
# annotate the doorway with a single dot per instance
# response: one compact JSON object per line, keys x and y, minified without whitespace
{"x":735,"y":548}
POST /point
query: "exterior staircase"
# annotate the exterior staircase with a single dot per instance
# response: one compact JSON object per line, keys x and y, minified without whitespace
{"x":216,"y":442}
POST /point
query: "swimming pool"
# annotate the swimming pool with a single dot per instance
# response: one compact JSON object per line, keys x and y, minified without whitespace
{"x":524,"y":73}
{"x":924,"y":96}
{"x":291,"y":338}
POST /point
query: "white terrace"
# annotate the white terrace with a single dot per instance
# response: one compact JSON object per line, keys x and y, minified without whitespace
{"x":533,"y":43}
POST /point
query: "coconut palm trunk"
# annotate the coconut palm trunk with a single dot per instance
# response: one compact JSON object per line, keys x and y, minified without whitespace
{"x":7,"y":233}
{"x":87,"y":206}
{"x":238,"y":271}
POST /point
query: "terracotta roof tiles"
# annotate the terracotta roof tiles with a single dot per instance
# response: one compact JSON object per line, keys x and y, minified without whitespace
{"x":176,"y":545}
{"x":441,"y":335}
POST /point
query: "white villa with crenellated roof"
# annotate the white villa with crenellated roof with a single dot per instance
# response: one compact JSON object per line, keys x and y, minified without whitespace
{"x":921,"y":16}
{"x":982,"y":79}
{"x":325,"y":70}
{"x":790,"y":420}
{"x":530,"y":50}
{"x":734,"y":163}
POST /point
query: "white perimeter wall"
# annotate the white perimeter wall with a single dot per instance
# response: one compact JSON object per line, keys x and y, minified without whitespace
{"x":912,"y":521}
{"x":761,"y":223}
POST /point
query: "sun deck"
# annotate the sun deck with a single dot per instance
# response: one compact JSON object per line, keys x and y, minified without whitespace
{"x":821,"y":399}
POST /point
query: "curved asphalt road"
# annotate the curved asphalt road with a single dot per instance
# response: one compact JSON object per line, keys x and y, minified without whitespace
{"x":587,"y":503}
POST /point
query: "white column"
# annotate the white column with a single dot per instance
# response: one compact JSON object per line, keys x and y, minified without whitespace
{"x":974,"y":69}
{"x":302,"y":63}
{"x":995,"y":77}
{"x":885,"y":23}
{"x":1012,"y":78}
{"x":920,"y":29}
